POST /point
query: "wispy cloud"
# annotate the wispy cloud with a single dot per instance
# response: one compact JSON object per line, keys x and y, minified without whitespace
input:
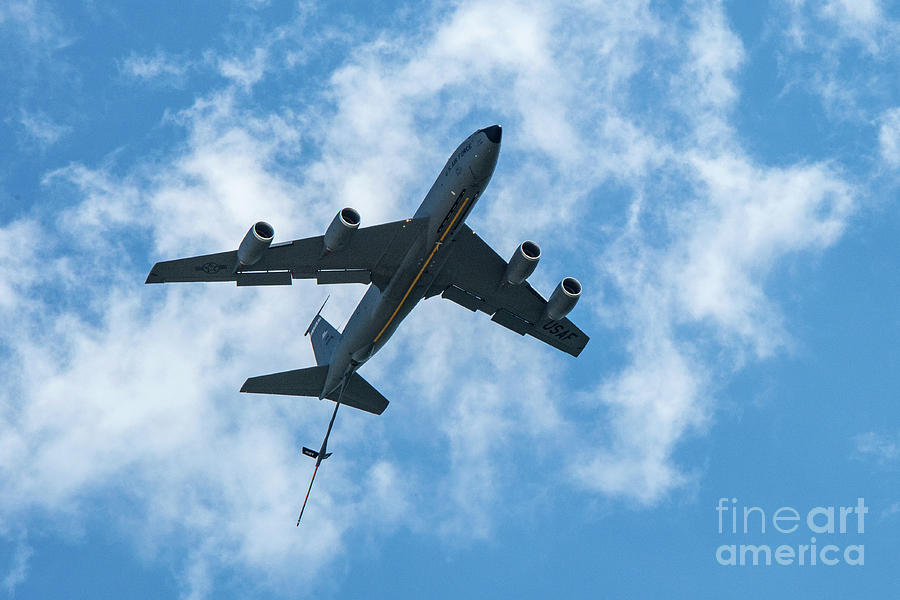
{"x":41,"y":129}
{"x":159,"y":66}
{"x":889,"y":137}
{"x":878,"y":446}
{"x":33,"y":38}
{"x":34,"y":22}
{"x":18,"y":569}
{"x":890,"y":511}
{"x":245,"y":71}
{"x":826,"y":45}
{"x":860,"y":20}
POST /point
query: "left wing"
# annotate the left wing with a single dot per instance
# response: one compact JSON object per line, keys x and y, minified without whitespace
{"x":473,"y":277}
{"x":372,"y":254}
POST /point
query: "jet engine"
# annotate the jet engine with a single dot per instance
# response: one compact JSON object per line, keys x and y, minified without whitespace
{"x":257,"y":240}
{"x":341,"y":229}
{"x":523,"y":262}
{"x":563,"y":298}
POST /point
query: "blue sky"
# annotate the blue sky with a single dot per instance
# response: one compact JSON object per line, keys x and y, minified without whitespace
{"x":722,"y":178}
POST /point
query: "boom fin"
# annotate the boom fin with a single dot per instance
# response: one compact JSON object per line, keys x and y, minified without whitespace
{"x":313,"y":453}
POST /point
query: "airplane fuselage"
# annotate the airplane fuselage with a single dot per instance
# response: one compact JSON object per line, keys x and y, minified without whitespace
{"x":456,"y":190}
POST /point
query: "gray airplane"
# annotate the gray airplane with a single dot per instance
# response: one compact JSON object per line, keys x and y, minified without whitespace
{"x":432,"y":253}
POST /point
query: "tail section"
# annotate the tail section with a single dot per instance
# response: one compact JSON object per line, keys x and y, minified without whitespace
{"x":358,"y":392}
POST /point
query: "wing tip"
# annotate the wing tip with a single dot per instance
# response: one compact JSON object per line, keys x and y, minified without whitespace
{"x":153,"y":276}
{"x":248,"y":386}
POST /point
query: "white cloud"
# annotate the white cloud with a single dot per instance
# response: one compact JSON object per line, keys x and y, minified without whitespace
{"x":147,"y":396}
{"x":840,"y":50}
{"x":651,"y":404}
{"x":891,"y":510}
{"x":857,"y":19}
{"x":862,"y":12}
{"x":750,"y":217}
{"x":145,"y":393}
{"x":838,"y":23}
{"x":17,"y":246}
{"x":711,"y":276}
{"x":158,"y":66}
{"x":245,"y":72}
{"x":34,"y":22}
{"x":41,"y":129}
{"x":889,"y":137}
{"x":707,"y":77}
{"x":18,"y":569}
{"x":880,"y":447}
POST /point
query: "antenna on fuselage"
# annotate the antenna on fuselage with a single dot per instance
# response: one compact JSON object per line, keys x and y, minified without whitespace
{"x":323,"y":453}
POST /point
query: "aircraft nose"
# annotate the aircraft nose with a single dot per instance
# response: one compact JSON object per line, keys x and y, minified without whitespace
{"x":493,"y":133}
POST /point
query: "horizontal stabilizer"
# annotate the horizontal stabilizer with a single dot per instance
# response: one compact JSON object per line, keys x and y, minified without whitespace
{"x":299,"y":382}
{"x":358,"y":392}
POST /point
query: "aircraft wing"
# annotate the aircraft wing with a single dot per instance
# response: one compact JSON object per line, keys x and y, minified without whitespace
{"x":472,"y":278}
{"x":371,"y":255}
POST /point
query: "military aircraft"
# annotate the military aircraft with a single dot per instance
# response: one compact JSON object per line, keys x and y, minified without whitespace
{"x":432,"y":253}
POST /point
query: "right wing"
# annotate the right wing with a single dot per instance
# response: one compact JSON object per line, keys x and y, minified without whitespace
{"x":472,"y":278}
{"x":371,"y":255}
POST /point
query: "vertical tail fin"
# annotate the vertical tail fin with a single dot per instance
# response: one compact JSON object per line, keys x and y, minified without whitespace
{"x":324,"y":337}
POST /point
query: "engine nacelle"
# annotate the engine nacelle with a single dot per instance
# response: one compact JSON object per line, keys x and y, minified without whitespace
{"x":523,"y":262}
{"x":563,"y":298}
{"x":341,"y":229}
{"x":257,"y":241}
